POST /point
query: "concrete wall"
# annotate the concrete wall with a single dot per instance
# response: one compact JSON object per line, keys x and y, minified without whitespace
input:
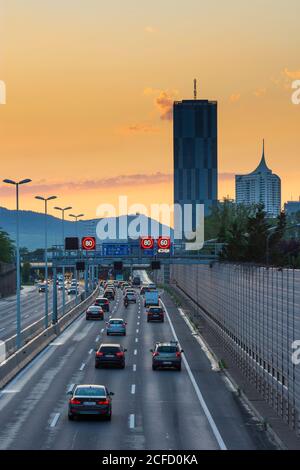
{"x":255,"y":312}
{"x":7,"y":279}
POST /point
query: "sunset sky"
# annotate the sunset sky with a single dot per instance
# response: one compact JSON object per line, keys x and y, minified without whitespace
{"x":90,"y":86}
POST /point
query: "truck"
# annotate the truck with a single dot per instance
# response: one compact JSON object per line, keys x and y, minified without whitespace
{"x":151,"y":298}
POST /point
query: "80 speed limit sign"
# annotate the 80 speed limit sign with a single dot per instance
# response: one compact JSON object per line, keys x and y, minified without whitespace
{"x":88,"y":243}
{"x":147,"y":243}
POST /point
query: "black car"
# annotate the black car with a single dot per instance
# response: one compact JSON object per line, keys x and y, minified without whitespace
{"x":94,"y":312}
{"x":109,"y":294}
{"x":89,"y":400}
{"x":110,"y":355}
{"x":155,"y":314}
{"x":42,"y":288}
{"x":102,"y":302}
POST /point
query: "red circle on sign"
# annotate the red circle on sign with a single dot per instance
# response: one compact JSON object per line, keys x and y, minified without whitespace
{"x":147,"y":243}
{"x":88,"y":243}
{"x":164,"y":243}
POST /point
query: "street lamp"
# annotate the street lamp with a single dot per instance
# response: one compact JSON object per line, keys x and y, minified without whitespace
{"x":271,"y":230}
{"x":76,"y":217}
{"x":17,"y":184}
{"x":45,"y":200}
{"x":62,"y":210}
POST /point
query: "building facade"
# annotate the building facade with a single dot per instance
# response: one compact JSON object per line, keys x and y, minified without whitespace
{"x":195,"y":154}
{"x":292,"y":207}
{"x":260,"y":186}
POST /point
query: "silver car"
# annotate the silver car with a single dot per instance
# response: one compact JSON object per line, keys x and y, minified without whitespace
{"x":166,"y":355}
{"x":116,"y":326}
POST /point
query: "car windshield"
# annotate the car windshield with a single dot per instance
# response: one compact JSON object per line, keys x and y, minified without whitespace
{"x":155,"y":310}
{"x":94,"y":309}
{"x":109,"y":349}
{"x":90,"y":391}
{"x":116,"y":322}
{"x":167,"y":349}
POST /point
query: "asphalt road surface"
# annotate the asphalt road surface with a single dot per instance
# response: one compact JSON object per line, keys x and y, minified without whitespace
{"x":32,"y":309}
{"x":169,"y":410}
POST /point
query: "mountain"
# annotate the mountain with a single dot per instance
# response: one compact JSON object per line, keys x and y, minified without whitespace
{"x":32,"y":227}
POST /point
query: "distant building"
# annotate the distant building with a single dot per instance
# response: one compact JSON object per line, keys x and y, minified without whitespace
{"x":292,"y":207}
{"x":196,"y":154}
{"x":260,"y":186}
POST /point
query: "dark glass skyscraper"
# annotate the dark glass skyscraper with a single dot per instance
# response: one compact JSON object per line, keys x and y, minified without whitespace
{"x":196,"y":153}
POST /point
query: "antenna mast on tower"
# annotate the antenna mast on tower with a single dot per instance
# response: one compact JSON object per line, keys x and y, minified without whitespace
{"x":195,"y":88}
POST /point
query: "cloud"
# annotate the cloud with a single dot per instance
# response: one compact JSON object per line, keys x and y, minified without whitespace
{"x":137,"y":179}
{"x":150,"y":29}
{"x":292,"y":74}
{"x":260,"y":92}
{"x":139,"y":129}
{"x":235,"y":97}
{"x":164,"y":103}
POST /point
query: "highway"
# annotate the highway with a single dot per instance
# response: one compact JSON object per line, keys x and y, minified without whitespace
{"x":32,"y":309}
{"x":169,"y":410}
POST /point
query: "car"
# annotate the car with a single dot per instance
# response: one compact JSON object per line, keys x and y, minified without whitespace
{"x":109,"y":294}
{"x":42,"y":288}
{"x":166,"y":355}
{"x":131,"y":297}
{"x":136,"y":281}
{"x":129,"y":290}
{"x":125,"y":286}
{"x":155,"y":313}
{"x":102,"y":302}
{"x":94,"y":312}
{"x":110,"y":355}
{"x":90,"y":400}
{"x":72,"y":291}
{"x":116,"y":326}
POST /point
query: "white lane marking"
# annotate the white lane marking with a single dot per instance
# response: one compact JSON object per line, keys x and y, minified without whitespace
{"x":137,"y":330}
{"x":70,"y":388}
{"x":131,"y":421}
{"x":2,"y":329}
{"x":139,"y":317}
{"x":135,"y":352}
{"x":102,"y":330}
{"x":197,"y":390}
{"x":97,"y":339}
{"x":82,"y":366}
{"x":9,"y":391}
{"x":214,"y":364}
{"x":90,"y":351}
{"x":134,"y":368}
{"x":26,"y":316}
{"x":138,"y":323}
{"x":133,"y":389}
{"x":54,"y":421}
{"x":136,"y":340}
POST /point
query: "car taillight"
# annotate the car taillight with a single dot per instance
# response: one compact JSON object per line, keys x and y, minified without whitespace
{"x":156,"y":354}
{"x":99,"y":354}
{"x":73,"y":401}
{"x":103,"y":402}
{"x":120,"y":354}
{"x":178,"y":354}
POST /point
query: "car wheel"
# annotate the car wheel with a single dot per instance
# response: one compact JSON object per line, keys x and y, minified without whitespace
{"x":153,"y":367}
{"x":179,"y":368}
{"x":124,"y":334}
{"x":96,"y":366}
{"x":123,"y":366}
{"x":148,"y":320}
{"x":108,"y":417}
{"x":107,"y":334}
{"x":71,"y":417}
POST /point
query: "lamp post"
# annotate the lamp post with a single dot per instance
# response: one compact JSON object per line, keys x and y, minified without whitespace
{"x":45,"y":200}
{"x":17,"y":184}
{"x":76,"y":217}
{"x":62,"y":210}
{"x":271,"y":230}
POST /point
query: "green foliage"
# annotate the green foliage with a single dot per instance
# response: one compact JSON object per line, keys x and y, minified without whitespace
{"x":6,"y":248}
{"x":26,"y":272}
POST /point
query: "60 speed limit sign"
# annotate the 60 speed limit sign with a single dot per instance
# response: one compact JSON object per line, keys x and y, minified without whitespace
{"x":164,"y":243}
{"x":88,"y":243}
{"x":147,"y":243}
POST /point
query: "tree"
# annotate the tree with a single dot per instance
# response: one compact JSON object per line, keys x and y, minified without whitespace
{"x":26,"y":272}
{"x":6,"y":248}
{"x":236,"y":243}
{"x":257,"y":230}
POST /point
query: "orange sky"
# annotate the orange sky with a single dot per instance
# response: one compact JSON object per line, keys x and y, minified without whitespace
{"x":89,"y":87}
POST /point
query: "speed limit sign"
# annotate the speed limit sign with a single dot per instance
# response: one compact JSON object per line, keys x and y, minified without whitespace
{"x":164,"y":243}
{"x":147,"y":243}
{"x":88,"y":243}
